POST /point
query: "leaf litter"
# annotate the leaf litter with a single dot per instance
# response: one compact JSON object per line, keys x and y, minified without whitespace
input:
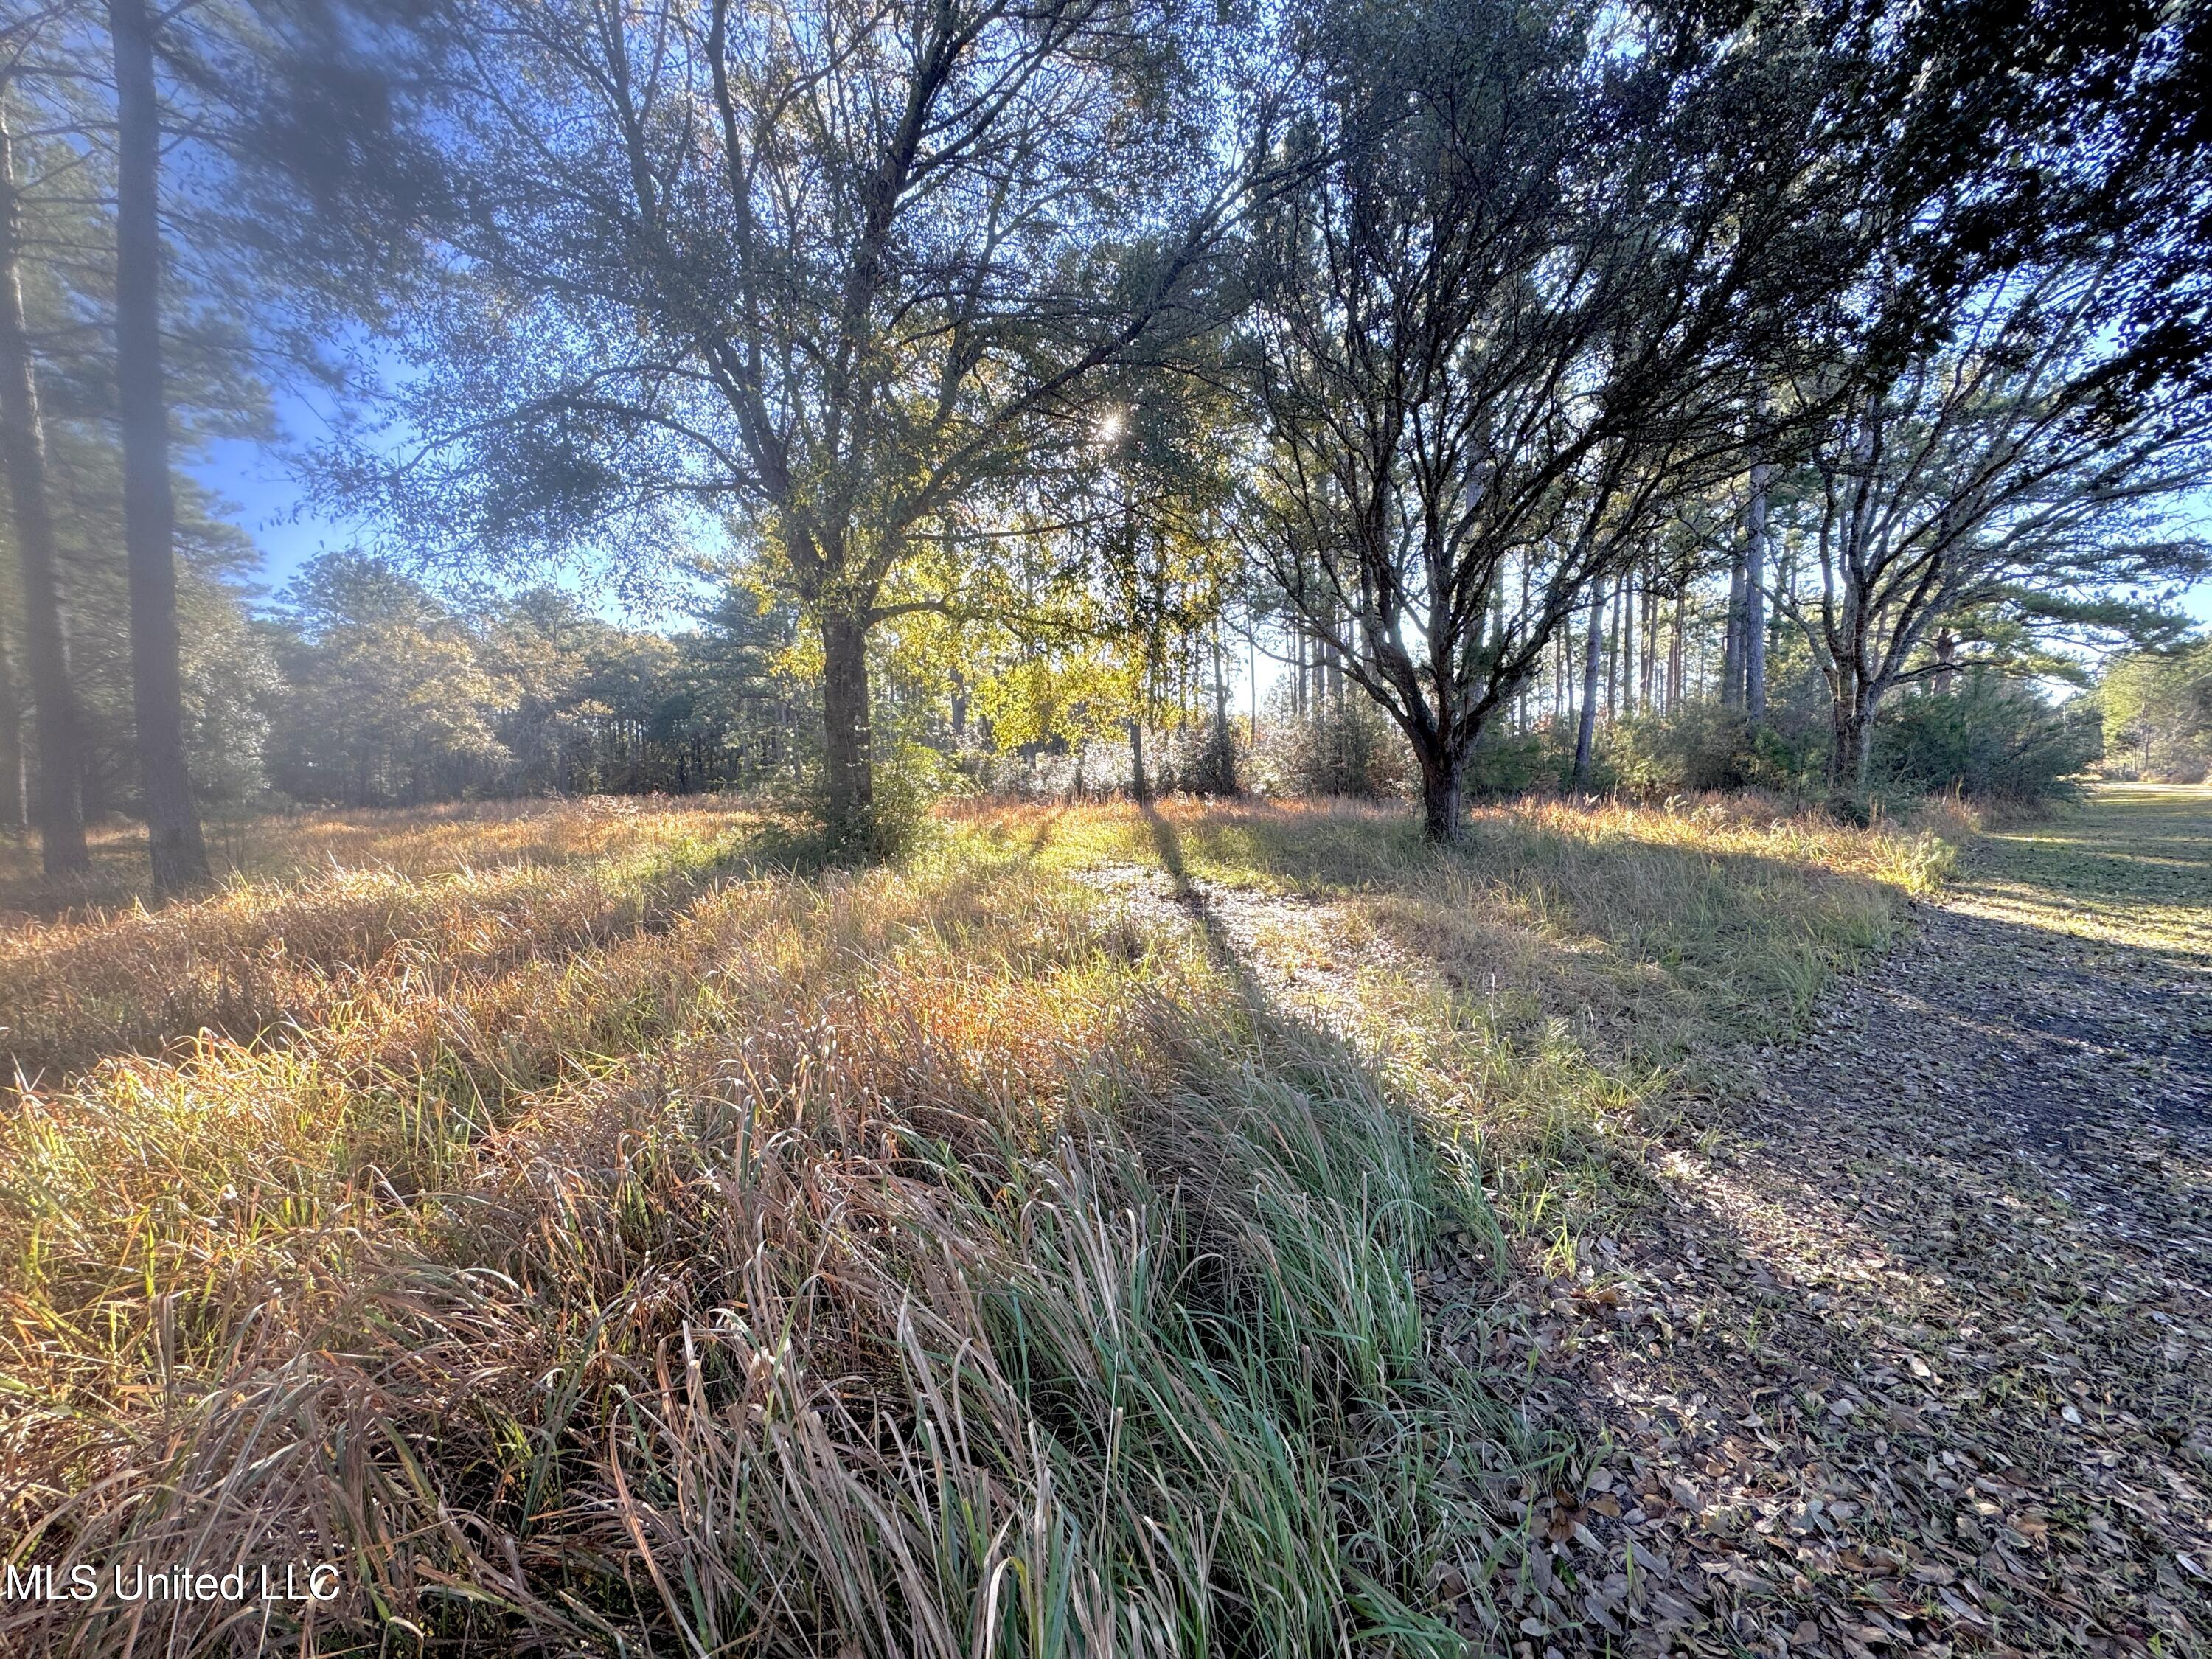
{"x":1910,"y":1351}
{"x":1913,"y":1356}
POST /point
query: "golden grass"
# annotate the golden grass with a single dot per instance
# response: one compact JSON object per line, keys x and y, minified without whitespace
{"x":415,"y":842}
{"x":318,"y":943}
{"x":585,"y":1233}
{"x":1554,"y":987}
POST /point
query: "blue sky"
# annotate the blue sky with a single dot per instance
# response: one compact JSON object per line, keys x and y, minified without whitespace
{"x":262,"y":489}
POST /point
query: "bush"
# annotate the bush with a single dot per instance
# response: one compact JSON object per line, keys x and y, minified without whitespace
{"x":1351,"y":748}
{"x":1991,"y":739}
{"x":909,"y":779}
{"x":1707,"y":747}
{"x":1509,"y":763}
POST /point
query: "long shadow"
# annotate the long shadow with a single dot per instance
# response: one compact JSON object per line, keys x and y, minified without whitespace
{"x":2136,"y":1010}
{"x":1962,"y":1229}
{"x":156,"y":985}
{"x":1905,"y":1197}
{"x":1046,"y":825}
{"x":1218,"y":949}
{"x":1565,"y":930}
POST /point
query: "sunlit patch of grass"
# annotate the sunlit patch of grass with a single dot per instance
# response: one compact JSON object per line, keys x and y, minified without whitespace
{"x":2144,"y":878}
{"x":282,"y":850}
{"x":614,"y":1236}
{"x":1559,"y":982}
{"x":321,"y":946}
{"x":872,"y":1259}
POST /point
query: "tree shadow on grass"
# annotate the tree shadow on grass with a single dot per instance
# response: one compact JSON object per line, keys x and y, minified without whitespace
{"x":1642,"y":947}
{"x":134,"y":983}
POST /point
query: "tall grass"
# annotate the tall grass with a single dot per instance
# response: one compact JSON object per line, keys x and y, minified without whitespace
{"x":1554,"y":989}
{"x":863,"y":1291}
{"x":644,"y":1251}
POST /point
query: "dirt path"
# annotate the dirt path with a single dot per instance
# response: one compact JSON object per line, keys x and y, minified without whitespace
{"x":1918,"y":1357}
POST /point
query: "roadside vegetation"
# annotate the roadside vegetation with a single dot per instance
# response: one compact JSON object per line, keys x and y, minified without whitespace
{"x":588,"y":1234}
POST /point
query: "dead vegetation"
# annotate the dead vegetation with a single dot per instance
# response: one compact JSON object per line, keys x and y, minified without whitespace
{"x":637,"y":1241}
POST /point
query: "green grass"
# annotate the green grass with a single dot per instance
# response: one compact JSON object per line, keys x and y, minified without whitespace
{"x":1551,"y":990}
{"x":598,"y":1237}
{"x":2132,"y":864}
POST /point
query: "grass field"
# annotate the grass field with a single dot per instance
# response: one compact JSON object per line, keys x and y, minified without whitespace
{"x":592,"y":1224}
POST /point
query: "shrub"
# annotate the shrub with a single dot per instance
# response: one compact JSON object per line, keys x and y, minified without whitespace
{"x":1508,"y":762}
{"x":1990,"y":738}
{"x":1349,"y":747}
{"x":1204,"y":759}
{"x":1707,"y":746}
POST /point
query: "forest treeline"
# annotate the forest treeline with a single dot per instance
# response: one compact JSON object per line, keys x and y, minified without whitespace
{"x":1664,"y":395}
{"x":357,"y":686}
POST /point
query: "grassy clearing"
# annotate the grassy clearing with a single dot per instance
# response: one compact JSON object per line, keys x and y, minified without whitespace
{"x":607,"y":1240}
{"x":1551,"y":990}
{"x":2132,"y":867}
{"x":332,"y":951}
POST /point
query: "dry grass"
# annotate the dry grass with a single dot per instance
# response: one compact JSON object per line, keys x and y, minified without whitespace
{"x":1555,"y":988}
{"x":590,"y":1236}
{"x":413,"y":842}
{"x":423,"y":914}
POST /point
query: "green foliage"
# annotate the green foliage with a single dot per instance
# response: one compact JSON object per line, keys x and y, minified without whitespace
{"x":2157,"y":707}
{"x":390,"y":694}
{"x":1211,"y":762}
{"x":1515,"y":762}
{"x":1707,"y":746}
{"x":1989,"y":737}
{"x":1348,"y":747}
{"x":385,"y":697}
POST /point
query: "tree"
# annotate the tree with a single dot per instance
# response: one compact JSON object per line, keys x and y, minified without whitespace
{"x":828,"y":273}
{"x":1986,"y":482}
{"x":2157,"y":707}
{"x":386,"y":698}
{"x":1515,"y":313}
{"x":57,"y":800}
{"x":173,"y":825}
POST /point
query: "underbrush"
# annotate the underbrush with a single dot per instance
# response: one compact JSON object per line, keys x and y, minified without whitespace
{"x":649,"y":1251}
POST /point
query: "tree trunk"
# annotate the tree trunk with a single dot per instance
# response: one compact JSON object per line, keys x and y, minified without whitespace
{"x":1139,"y":789}
{"x":1732,"y":637}
{"x":180,"y":857}
{"x":1332,"y":665}
{"x":58,"y":804}
{"x":1754,"y":598}
{"x":1850,"y":752}
{"x":1252,"y":668}
{"x":1946,"y":652}
{"x":1224,"y":748}
{"x":1593,"y":642}
{"x":848,"y":736}
{"x":1646,"y":685}
{"x":1527,"y":688}
{"x":1628,"y":597}
{"x":1443,"y":798}
{"x":1863,"y":753}
{"x":1677,"y":653}
{"x":13,"y":813}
